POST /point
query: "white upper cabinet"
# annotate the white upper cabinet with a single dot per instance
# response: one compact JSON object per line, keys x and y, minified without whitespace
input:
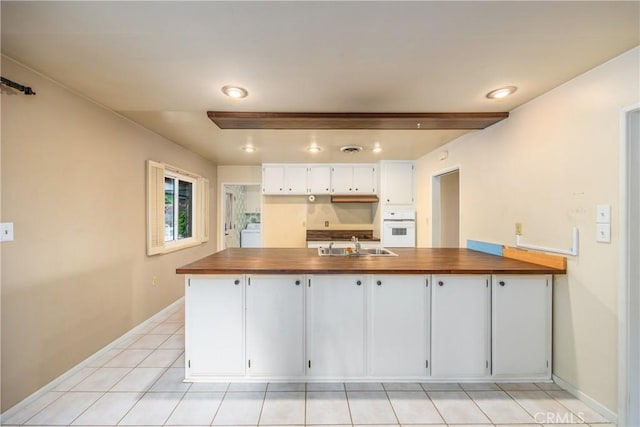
{"x":319,"y":178}
{"x":397,"y":182}
{"x":253,"y":199}
{"x":521,"y":329}
{"x":353,"y":179}
{"x":284,"y":179}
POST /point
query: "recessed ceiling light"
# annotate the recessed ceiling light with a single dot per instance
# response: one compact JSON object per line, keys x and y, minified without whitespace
{"x":351,"y":149}
{"x":249,"y":148}
{"x":377,"y":149}
{"x":314,"y":149}
{"x":235,"y":91}
{"x":502,"y":92}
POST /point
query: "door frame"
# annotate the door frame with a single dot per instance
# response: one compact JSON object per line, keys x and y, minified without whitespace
{"x":435,"y":203}
{"x":628,"y":296}
{"x":222,"y":207}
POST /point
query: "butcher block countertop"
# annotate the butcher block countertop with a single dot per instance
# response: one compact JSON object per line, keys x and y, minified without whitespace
{"x":408,"y":261}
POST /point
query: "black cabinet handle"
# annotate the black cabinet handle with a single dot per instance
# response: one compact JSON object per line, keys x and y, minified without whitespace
{"x":236,"y":282}
{"x":501,"y":283}
{"x":358,"y":283}
{"x":297,"y":282}
{"x":379,"y":283}
{"x":440,"y":283}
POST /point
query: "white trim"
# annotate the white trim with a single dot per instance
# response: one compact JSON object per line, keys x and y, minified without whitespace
{"x":588,"y":400}
{"x":22,"y":405}
{"x":624,"y":302}
{"x":221,"y":211}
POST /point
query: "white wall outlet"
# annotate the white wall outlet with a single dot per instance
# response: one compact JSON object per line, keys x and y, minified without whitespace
{"x":603,"y":214}
{"x":6,"y":232}
{"x":603,"y":233}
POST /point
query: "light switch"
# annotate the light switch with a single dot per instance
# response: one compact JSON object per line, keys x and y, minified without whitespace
{"x":603,"y":214}
{"x":603,"y":233}
{"x":6,"y":232}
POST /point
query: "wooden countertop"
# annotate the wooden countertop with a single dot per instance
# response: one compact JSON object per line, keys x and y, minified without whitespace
{"x":408,"y":261}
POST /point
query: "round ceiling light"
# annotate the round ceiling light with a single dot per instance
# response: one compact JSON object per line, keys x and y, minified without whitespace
{"x":249,"y":148}
{"x":351,"y":149}
{"x":314,"y":149}
{"x":502,"y":92}
{"x":377,"y":149}
{"x":236,"y":92}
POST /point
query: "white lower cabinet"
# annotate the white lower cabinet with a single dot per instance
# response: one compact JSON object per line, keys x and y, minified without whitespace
{"x":399,"y":333}
{"x":214,"y":326}
{"x":521,"y":327}
{"x":336,"y":326}
{"x":275,"y":325}
{"x":460,"y":325}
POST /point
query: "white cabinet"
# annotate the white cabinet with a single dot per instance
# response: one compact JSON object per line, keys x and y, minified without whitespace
{"x":460,"y":324}
{"x":397,"y":182}
{"x":336,"y":326}
{"x":319,"y":178}
{"x":399,"y":333}
{"x":521,"y":327}
{"x":353,"y":179}
{"x":284,"y":179}
{"x":212,"y":350}
{"x":252,"y":201}
{"x":275,"y":325}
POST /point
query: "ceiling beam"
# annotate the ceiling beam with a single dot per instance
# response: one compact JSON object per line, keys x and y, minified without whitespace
{"x":391,"y":121}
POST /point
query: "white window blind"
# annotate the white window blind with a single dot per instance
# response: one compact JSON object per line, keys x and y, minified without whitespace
{"x":155,"y":208}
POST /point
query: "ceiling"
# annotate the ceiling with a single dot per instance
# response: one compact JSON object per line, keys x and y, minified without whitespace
{"x":162,"y":64}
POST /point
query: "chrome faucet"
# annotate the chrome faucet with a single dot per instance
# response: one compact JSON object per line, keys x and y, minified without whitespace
{"x":356,"y":243}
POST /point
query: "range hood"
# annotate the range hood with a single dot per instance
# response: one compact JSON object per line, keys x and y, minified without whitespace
{"x":356,"y":198}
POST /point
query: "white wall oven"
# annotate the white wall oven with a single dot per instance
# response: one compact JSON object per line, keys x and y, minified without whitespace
{"x":399,"y":228}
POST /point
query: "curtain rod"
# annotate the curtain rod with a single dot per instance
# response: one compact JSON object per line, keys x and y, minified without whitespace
{"x":25,"y":89}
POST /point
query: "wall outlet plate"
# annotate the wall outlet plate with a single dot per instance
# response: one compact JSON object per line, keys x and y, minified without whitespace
{"x":6,"y":232}
{"x":603,"y":214}
{"x":603,"y":233}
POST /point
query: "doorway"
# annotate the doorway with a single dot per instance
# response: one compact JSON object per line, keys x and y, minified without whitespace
{"x":629,"y":376}
{"x":240,"y":211}
{"x":446,"y":209}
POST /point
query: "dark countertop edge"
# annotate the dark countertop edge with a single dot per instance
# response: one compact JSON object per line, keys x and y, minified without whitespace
{"x":369,"y":271}
{"x":375,"y":239}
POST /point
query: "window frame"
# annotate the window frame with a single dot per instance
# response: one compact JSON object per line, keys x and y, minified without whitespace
{"x":177,"y":243}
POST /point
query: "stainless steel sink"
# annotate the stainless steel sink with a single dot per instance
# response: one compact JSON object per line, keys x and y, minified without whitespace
{"x":353,"y":252}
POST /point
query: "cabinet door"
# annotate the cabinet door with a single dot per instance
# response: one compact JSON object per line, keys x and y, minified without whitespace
{"x":460,"y":326}
{"x":399,"y":331}
{"x":275,"y":325}
{"x":364,"y":179}
{"x":295,"y":179}
{"x":272,"y":179}
{"x":319,"y":179}
{"x":214,"y":326}
{"x":335,"y":326}
{"x":397,"y":183}
{"x":342,"y":179}
{"x":521,"y":327}
{"x":253,"y":199}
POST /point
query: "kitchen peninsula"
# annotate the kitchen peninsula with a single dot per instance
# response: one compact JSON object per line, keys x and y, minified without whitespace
{"x":425,"y":314}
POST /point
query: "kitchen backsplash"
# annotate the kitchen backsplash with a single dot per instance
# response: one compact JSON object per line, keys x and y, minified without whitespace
{"x":339,"y":216}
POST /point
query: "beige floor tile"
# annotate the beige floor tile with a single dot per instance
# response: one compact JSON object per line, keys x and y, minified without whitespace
{"x":576,"y":406}
{"x":543,"y":407}
{"x":160,"y":359}
{"x":549,"y":386}
{"x":166,"y":328}
{"x":325,"y":386}
{"x":129,"y":358}
{"x":283,"y":408}
{"x":456,"y":407}
{"x":179,"y":363}
{"x":101,"y":360}
{"x":479,"y":387}
{"x":207,"y":387}
{"x":102,"y":379}
{"x":518,"y":386}
{"x":171,"y":380}
{"x":65,"y":409}
{"x":32,"y":409}
{"x":364,"y":386}
{"x":402,"y":387}
{"x":370,"y":407}
{"x":414,"y":408}
{"x":196,"y":409}
{"x":234,"y":387}
{"x":241,"y":408}
{"x":441,"y":386}
{"x":126,"y":342}
{"x":286,"y":387}
{"x":175,"y":341}
{"x":139,"y":379}
{"x":500,"y":407}
{"x":150,"y":342}
{"x":108,"y":410}
{"x":152,"y":409}
{"x":327,"y":407}
{"x":75,"y":379}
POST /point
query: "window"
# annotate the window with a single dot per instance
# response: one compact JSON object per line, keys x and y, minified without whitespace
{"x":177,"y":209}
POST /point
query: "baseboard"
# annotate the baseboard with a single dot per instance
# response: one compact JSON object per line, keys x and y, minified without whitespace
{"x":54,"y":383}
{"x":589,"y":401}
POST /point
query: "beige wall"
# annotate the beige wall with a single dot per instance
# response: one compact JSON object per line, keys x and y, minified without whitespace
{"x":450,"y":210}
{"x":353,"y":216}
{"x":77,"y":275}
{"x":547,"y":166}
{"x":284,"y":221}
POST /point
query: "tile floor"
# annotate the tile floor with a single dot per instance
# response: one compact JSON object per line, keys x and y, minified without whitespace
{"x":139,"y":383}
